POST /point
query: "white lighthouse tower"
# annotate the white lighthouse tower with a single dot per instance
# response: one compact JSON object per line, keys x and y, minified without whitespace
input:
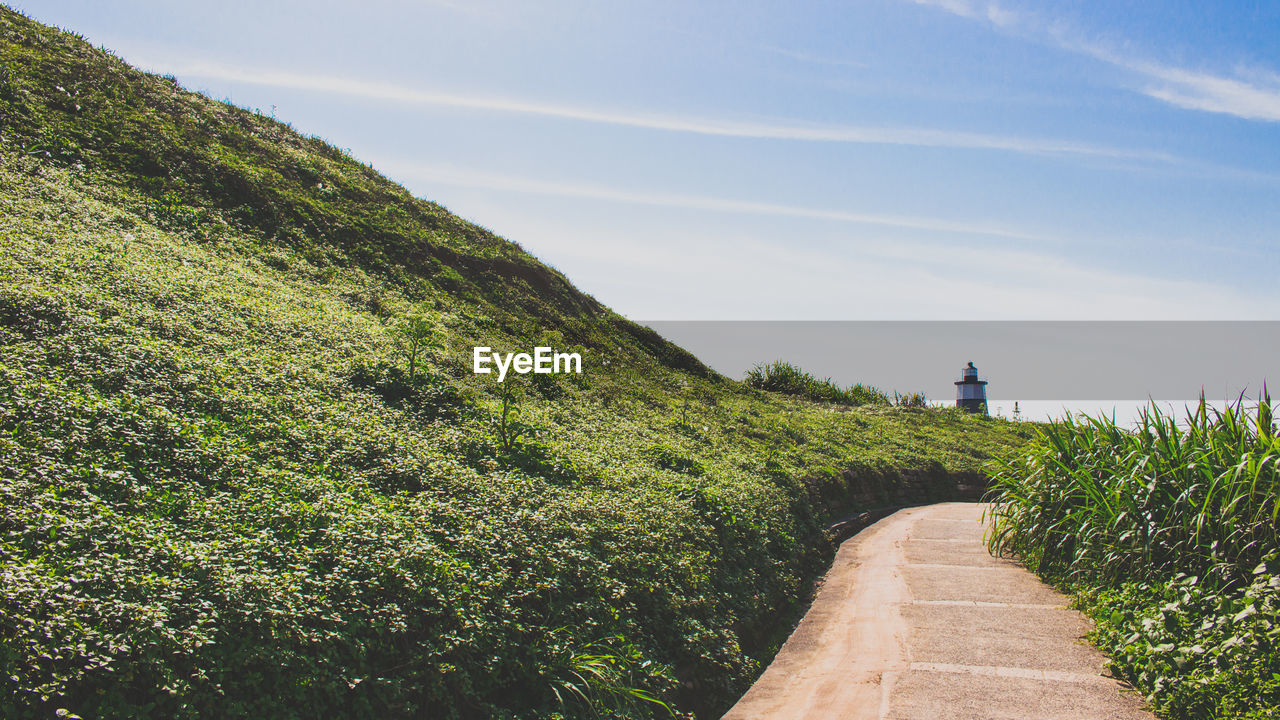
{"x":971,"y":393}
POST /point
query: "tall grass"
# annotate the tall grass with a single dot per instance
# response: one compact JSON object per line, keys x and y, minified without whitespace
{"x":1168,"y":536}
{"x":1092,"y":501}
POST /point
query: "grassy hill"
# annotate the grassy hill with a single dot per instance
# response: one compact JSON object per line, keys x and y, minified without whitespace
{"x":225,"y":492}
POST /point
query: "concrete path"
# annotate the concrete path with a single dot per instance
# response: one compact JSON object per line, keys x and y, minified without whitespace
{"x":916,"y":621}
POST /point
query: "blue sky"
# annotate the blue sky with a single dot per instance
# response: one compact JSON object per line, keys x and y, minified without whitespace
{"x":877,"y":159}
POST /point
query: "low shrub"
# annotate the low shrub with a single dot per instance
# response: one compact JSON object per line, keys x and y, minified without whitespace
{"x":783,"y":377}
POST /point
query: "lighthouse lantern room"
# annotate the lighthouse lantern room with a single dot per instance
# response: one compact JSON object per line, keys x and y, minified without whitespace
{"x":971,"y":393}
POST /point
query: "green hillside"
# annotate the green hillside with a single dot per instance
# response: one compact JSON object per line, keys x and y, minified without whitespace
{"x":228,"y":492}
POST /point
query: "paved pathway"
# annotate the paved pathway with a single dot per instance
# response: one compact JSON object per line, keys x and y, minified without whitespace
{"x":916,"y":621}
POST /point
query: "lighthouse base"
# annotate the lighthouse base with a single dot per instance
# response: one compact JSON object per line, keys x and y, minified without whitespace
{"x":973,"y":405}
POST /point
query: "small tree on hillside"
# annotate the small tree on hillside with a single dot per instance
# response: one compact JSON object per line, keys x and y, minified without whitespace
{"x":416,"y":333}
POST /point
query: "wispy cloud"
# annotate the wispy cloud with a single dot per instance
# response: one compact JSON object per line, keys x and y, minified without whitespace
{"x":1000,"y":16}
{"x":992,"y":12}
{"x":771,"y":130}
{"x":1256,"y":98}
{"x":963,"y":8}
{"x":721,"y":277}
{"x":469,"y":178}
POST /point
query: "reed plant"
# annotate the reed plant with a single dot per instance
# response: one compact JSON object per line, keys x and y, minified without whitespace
{"x":1167,"y":535}
{"x":1092,"y":501}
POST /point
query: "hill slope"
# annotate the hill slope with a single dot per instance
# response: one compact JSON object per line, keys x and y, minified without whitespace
{"x":226,"y":491}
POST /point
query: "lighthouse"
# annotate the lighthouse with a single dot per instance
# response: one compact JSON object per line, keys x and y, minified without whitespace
{"x":971,"y":393}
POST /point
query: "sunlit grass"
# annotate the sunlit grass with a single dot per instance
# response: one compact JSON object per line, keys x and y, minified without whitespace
{"x":1091,"y":500}
{"x":1168,"y":535}
{"x":245,"y":470}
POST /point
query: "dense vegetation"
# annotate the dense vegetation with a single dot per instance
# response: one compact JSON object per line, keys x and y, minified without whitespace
{"x":1170,"y":535}
{"x":245,"y":470}
{"x":783,"y":377}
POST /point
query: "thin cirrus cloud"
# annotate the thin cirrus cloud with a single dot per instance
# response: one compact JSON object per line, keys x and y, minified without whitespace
{"x":814,"y":283}
{"x":920,"y":137}
{"x":1049,"y":285}
{"x":1203,"y":91}
{"x":468,"y":178}
{"x":997,"y":14}
{"x":1251,"y":100}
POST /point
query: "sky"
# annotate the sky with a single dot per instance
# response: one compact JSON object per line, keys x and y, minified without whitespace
{"x":857,"y":160}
